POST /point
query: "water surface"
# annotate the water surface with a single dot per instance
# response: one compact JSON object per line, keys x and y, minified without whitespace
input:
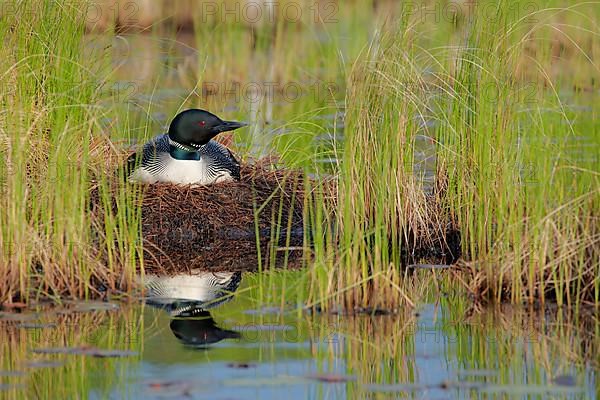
{"x":224,"y":343}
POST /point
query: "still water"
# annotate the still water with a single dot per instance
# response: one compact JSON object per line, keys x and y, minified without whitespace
{"x":212,"y":336}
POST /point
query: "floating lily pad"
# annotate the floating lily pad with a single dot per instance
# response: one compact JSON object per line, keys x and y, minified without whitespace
{"x":565,"y":380}
{"x":170,"y":385}
{"x":331,"y":378}
{"x":262,"y":328}
{"x":86,"y":351}
{"x":241,"y":365}
{"x":174,"y":388}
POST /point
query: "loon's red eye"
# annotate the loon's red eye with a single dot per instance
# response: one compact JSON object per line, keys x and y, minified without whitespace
{"x":202,"y":123}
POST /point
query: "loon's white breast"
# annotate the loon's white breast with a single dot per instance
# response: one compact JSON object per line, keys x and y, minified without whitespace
{"x":184,"y":172}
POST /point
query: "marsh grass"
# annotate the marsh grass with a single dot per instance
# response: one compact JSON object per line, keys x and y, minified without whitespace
{"x":49,"y":155}
{"x":384,"y":210}
{"x":523,"y":199}
{"x":513,"y":173}
{"x":504,"y":95}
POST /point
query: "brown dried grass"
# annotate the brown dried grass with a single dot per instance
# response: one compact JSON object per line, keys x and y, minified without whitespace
{"x":226,"y":226}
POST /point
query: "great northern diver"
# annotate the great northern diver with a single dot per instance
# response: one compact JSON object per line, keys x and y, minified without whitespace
{"x":188,"y":297}
{"x":186,"y":154}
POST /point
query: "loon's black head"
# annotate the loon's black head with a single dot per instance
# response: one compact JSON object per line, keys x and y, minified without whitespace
{"x":200,"y":330}
{"x":196,"y":127}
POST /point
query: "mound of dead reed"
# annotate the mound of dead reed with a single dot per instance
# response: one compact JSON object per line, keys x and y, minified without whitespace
{"x":257,"y":221}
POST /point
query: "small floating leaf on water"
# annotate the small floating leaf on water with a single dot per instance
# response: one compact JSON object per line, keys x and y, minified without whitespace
{"x":259,"y":327}
{"x":161,"y":385}
{"x":241,"y":365}
{"x":565,"y":380}
{"x":29,"y":325}
{"x":465,"y":373}
{"x":271,"y":381}
{"x":44,"y":364}
{"x":86,"y":351}
{"x":89,"y":306}
{"x":331,"y":378}
{"x":172,"y":388}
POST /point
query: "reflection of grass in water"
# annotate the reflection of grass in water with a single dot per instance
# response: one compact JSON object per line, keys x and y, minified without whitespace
{"x":527,"y":348}
{"x":79,"y":375}
{"x":519,"y":347}
{"x":501,"y":347}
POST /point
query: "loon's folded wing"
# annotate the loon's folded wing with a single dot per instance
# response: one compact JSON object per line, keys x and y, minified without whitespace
{"x":236,"y":172}
{"x":232,"y":157}
{"x":221,"y":153}
{"x":148,"y":156}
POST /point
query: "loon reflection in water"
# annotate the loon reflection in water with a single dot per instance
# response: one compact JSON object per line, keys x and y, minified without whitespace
{"x":187,"y":298}
{"x":181,"y":294}
{"x":200,"y":330}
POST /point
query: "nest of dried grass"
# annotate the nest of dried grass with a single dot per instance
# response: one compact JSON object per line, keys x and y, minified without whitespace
{"x":257,"y":221}
{"x":226,"y":226}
